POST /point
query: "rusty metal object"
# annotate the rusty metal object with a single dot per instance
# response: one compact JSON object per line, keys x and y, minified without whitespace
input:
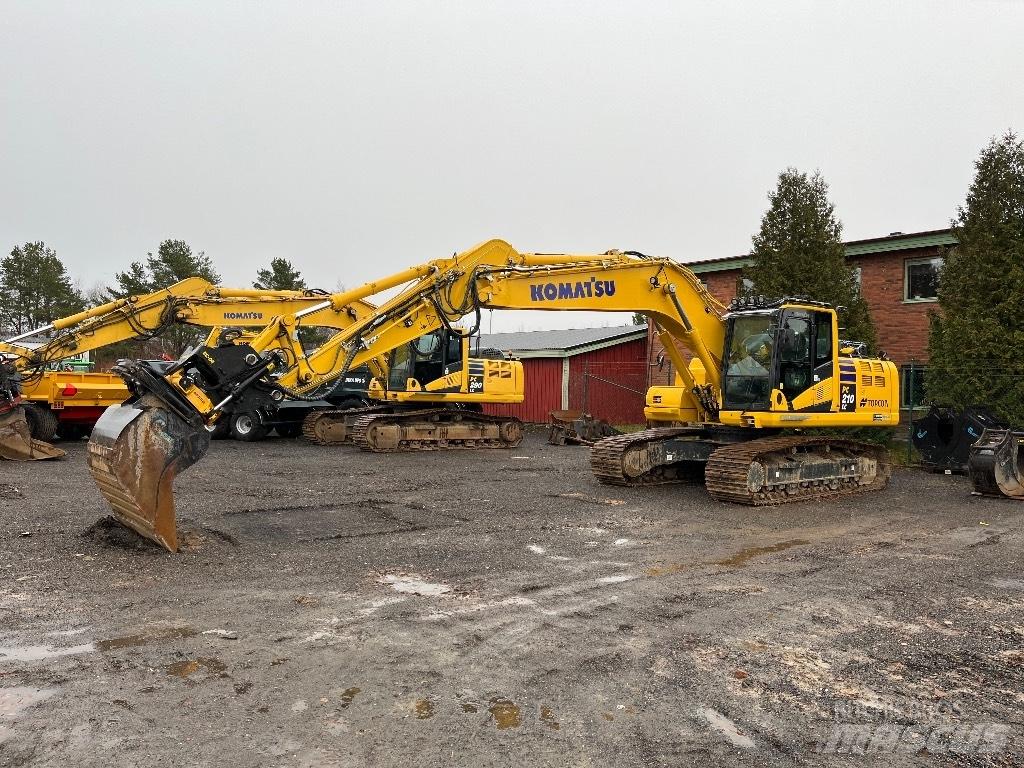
{"x":135,"y":452}
{"x":577,"y":428}
{"x":17,"y":443}
{"x":996,"y":463}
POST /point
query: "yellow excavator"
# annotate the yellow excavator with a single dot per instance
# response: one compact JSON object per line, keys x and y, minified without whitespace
{"x":193,"y":301}
{"x":759,"y":367}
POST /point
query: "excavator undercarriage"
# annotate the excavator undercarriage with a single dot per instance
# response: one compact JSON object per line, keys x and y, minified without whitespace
{"x":740,"y":467}
{"x":391,"y":428}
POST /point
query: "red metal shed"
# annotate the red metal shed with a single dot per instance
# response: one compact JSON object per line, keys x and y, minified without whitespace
{"x":599,"y":370}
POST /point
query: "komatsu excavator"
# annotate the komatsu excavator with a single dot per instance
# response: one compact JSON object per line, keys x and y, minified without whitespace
{"x":193,"y":301}
{"x":758,"y":368}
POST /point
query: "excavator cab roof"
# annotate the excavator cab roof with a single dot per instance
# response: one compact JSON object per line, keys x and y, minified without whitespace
{"x":754,"y":303}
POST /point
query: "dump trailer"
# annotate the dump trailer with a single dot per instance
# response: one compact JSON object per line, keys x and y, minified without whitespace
{"x":763,"y":368}
{"x":66,"y":404}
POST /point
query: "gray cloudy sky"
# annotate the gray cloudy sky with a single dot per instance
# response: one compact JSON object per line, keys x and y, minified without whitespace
{"x":359,"y":138}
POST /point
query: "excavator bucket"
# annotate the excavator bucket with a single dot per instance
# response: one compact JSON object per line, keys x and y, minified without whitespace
{"x":17,"y":443}
{"x":135,"y":452}
{"x":996,"y":463}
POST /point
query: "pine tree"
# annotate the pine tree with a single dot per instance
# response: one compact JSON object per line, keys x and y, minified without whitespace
{"x":35,"y":289}
{"x":975,"y":342}
{"x":174,"y":261}
{"x":280,"y":276}
{"x":799,"y":252}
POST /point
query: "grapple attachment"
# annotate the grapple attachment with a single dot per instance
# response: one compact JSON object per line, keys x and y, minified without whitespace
{"x":997,"y":463}
{"x":17,"y":443}
{"x":135,"y":452}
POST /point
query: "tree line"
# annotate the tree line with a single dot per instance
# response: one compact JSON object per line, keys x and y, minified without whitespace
{"x":36,"y":288}
{"x":974,"y":343}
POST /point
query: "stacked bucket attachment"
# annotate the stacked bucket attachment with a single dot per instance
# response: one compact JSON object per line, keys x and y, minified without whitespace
{"x":16,"y":441}
{"x":996,"y":463}
{"x":138,"y":448}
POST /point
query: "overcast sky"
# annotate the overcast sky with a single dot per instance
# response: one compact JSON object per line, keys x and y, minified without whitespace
{"x":359,"y":138}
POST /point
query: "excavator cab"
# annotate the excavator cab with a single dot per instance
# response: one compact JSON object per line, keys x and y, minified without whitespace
{"x":425,"y":359}
{"x":783,"y":367}
{"x":787,"y":350}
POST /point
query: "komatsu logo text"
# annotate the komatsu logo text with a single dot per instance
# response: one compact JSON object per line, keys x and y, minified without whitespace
{"x":243,"y":315}
{"x":581,"y":289}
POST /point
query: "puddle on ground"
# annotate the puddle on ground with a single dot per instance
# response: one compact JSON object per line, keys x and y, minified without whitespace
{"x":413,"y":585}
{"x":348,"y":695}
{"x":41,"y":652}
{"x":14,"y":701}
{"x":741,"y":557}
{"x":728,"y":728}
{"x":547,"y":716}
{"x":667,"y":570}
{"x":424,"y":709}
{"x":185,"y":668}
{"x":467,"y":707}
{"x":134,"y":641}
{"x":737,"y":560}
{"x":506,"y":714}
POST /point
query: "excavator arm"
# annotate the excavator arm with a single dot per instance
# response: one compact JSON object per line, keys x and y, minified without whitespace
{"x":193,"y":301}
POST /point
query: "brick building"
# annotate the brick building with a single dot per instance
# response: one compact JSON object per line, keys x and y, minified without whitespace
{"x":898,"y":276}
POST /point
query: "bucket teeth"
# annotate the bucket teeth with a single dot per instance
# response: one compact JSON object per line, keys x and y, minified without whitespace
{"x":17,"y":443}
{"x":135,"y":452}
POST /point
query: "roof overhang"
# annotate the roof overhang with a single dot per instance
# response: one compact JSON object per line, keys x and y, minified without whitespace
{"x":579,"y":349}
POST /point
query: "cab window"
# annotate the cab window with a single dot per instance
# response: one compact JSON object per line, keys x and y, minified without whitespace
{"x":748,"y":365}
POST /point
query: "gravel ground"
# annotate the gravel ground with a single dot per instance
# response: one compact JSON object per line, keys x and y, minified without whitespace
{"x":337,"y":608}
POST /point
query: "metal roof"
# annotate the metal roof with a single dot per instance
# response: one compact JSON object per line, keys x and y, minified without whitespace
{"x":894,"y":242}
{"x":560,"y":343}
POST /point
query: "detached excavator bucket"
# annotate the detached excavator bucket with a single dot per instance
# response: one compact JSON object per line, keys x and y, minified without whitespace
{"x":17,"y":443}
{"x":997,"y":463}
{"x":135,"y":452}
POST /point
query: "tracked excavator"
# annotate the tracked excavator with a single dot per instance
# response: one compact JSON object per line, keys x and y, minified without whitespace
{"x":760,"y":369}
{"x":193,"y":301}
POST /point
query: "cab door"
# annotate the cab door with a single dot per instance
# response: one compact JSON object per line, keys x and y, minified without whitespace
{"x":795,"y":365}
{"x":824,"y":357}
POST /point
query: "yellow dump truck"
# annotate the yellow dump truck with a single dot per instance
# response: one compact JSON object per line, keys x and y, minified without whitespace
{"x":66,"y":404}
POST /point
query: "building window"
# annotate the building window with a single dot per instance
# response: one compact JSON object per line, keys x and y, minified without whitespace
{"x":744,"y":286}
{"x":856,"y":278}
{"x":912,"y":386}
{"x":921,"y":279}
